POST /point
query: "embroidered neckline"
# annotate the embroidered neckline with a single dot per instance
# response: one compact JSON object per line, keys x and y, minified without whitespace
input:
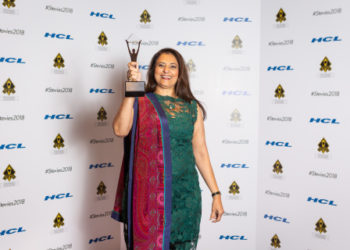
{"x":168,"y":97}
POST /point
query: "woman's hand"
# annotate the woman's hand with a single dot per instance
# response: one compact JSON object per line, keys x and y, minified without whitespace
{"x":216,"y":210}
{"x":133,"y":73}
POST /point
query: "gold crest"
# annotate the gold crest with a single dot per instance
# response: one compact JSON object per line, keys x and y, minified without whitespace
{"x":277,"y":167}
{"x":321,"y":226}
{"x":325,"y":65}
{"x":236,"y":42}
{"x":102,"y":114}
{"x":9,"y":173}
{"x":191,"y":67}
{"x":101,"y":189}
{"x":58,"y":142}
{"x":275,"y":242}
{"x":9,"y":87}
{"x":145,"y":17}
{"x":323,"y":146}
{"x":9,"y":3}
{"x":279,"y":92}
{"x":234,"y":188}
{"x":102,"y":39}
{"x":235,"y":116}
{"x":58,"y":221}
{"x":59,"y":61}
{"x":281,"y":16}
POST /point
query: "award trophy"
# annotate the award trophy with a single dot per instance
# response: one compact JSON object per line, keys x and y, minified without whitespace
{"x":134,"y":88}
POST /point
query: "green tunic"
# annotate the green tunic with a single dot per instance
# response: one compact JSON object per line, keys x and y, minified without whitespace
{"x":186,"y":195}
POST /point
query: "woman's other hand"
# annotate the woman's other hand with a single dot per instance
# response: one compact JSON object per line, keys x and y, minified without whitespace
{"x":216,"y":210}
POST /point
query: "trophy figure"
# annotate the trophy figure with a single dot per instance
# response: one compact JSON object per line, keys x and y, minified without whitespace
{"x":134,"y":88}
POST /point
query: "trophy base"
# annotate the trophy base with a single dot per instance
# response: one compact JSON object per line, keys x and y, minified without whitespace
{"x":134,"y":89}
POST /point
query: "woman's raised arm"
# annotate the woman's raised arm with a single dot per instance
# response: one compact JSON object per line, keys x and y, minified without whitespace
{"x":123,"y":120}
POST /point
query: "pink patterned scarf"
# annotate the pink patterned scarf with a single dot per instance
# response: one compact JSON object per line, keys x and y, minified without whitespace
{"x":143,"y":198}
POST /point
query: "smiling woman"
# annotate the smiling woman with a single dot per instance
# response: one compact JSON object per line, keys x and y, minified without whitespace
{"x":158,"y":197}
{"x":167,"y":71}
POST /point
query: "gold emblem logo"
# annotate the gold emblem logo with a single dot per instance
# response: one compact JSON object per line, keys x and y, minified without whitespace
{"x":102,"y":39}
{"x":236,"y":42}
{"x":281,"y":16}
{"x":234,"y":188}
{"x":235,"y":116}
{"x":9,"y":173}
{"x":275,"y":241}
{"x":145,"y":17}
{"x":58,"y":142}
{"x":58,"y":221}
{"x":279,"y":92}
{"x":323,"y":146}
{"x":9,"y":87}
{"x":101,"y":189}
{"x":320,"y":226}
{"x":191,"y":67}
{"x":325,"y":65}
{"x":9,"y":3}
{"x":102,"y":114}
{"x":59,"y":61}
{"x":277,"y":167}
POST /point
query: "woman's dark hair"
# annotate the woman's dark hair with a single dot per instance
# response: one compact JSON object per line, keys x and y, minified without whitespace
{"x":182,"y":87}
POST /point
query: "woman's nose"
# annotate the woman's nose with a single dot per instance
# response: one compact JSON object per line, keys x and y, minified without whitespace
{"x":166,"y":69}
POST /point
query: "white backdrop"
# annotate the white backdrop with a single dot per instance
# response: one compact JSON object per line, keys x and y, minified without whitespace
{"x":314,"y":107}
{"x":221,"y":43}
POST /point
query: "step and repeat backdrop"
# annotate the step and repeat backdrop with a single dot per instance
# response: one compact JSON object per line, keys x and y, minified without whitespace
{"x":271,"y":75}
{"x":62,"y":70}
{"x":304,"y":118}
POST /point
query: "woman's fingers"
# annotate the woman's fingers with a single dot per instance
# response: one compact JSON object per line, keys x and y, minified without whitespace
{"x":133,"y":72}
{"x":213,"y":215}
{"x":133,"y":65}
{"x":220,"y":213}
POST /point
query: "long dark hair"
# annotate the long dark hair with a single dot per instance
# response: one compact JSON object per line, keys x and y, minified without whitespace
{"x":182,"y":87}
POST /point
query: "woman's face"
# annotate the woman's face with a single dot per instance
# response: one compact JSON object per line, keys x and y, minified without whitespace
{"x":166,"y":71}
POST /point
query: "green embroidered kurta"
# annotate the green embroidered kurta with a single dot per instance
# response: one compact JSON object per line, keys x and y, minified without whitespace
{"x":186,"y":195}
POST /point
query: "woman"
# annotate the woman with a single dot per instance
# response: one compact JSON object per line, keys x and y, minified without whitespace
{"x":158,"y":197}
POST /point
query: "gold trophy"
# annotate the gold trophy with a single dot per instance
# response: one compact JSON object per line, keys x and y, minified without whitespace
{"x":134,"y":88}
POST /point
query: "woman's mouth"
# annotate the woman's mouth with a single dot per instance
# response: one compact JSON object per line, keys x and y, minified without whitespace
{"x":166,"y":77}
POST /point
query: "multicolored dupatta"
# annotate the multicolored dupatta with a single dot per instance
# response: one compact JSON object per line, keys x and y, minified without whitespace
{"x":143,"y":198}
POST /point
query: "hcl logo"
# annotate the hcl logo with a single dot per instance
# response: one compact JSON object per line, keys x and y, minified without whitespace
{"x":101,"y":165}
{"x":12,"y":146}
{"x":326,"y":39}
{"x":100,"y":239}
{"x":324,"y":120}
{"x":102,"y":91}
{"x":58,"y":36}
{"x":103,"y":15}
{"x":57,"y":196}
{"x":321,"y":201}
{"x":58,"y":117}
{"x":190,"y":43}
{"x":11,"y":60}
{"x":143,"y":67}
{"x":278,"y":144}
{"x":232,"y":237}
{"x":280,"y":68}
{"x":236,"y":92}
{"x":12,"y":231}
{"x":237,"y":19}
{"x":234,"y":165}
{"x":276,"y":218}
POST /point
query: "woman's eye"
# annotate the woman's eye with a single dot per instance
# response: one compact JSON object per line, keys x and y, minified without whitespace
{"x":173,"y":66}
